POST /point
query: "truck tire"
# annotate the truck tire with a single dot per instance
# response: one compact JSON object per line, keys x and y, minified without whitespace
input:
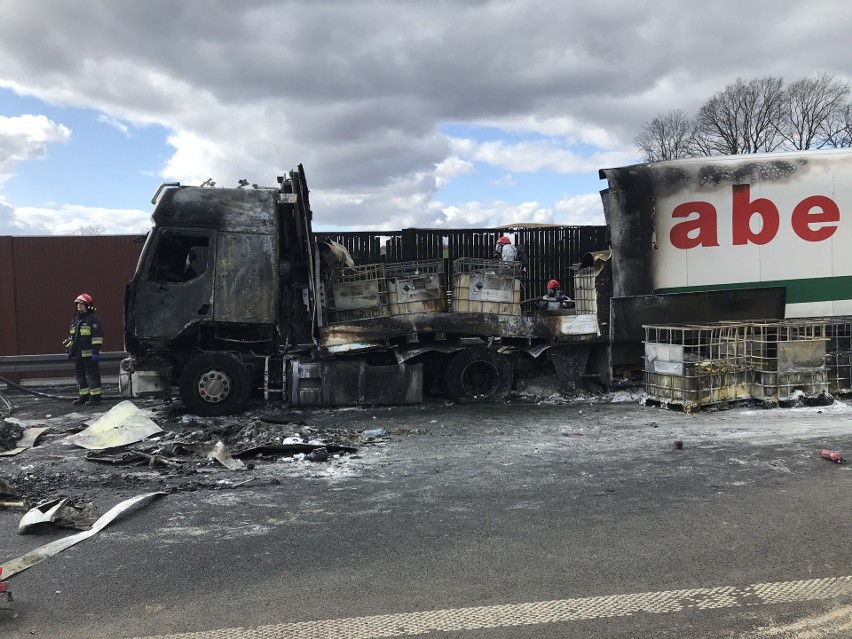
{"x":478,"y":375}
{"x":215,"y":384}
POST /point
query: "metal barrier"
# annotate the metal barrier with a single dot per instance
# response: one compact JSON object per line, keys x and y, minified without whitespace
{"x":38,"y":363}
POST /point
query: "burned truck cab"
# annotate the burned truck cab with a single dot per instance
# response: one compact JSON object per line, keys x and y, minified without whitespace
{"x":205,"y":297}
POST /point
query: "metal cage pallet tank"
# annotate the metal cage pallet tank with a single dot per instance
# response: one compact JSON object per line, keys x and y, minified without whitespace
{"x":416,"y":287}
{"x":358,"y":292}
{"x":788,"y":358}
{"x":696,"y":365}
{"x":838,"y":354}
{"x":486,"y":286}
{"x":700,"y":365}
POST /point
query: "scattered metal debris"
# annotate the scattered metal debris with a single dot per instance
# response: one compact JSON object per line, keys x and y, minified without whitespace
{"x":293,"y":448}
{"x":61,"y":512}
{"x":42,"y":513}
{"x":217,"y":451}
{"x":19,"y":564}
{"x":30,"y":437}
{"x":121,"y":425}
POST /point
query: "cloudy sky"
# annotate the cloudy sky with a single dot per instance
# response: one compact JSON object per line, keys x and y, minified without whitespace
{"x":404,"y":113}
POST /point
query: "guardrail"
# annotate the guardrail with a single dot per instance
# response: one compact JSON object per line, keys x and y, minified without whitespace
{"x":60,"y":362}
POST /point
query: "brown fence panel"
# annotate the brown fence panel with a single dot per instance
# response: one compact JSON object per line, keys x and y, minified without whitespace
{"x":46,"y":273}
{"x":8,"y":303}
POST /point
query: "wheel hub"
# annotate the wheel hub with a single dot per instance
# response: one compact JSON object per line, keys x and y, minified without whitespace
{"x":214,"y":386}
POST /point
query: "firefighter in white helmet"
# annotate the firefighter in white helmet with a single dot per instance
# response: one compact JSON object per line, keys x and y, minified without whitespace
{"x":85,"y":338}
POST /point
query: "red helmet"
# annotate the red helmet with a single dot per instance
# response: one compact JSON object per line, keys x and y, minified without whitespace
{"x":553,"y":284}
{"x":85,"y":298}
{"x":504,"y":240}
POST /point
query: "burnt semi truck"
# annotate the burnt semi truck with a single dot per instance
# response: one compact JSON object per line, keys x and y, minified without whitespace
{"x":234,"y":296}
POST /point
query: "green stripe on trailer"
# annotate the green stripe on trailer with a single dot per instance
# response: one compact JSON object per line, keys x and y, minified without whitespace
{"x":803,"y":291}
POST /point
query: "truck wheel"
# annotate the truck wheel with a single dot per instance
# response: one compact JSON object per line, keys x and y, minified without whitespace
{"x":215,"y":384}
{"x":478,"y":375}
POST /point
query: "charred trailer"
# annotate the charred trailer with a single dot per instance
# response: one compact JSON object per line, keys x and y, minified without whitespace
{"x":235,"y":297}
{"x":701,"y":242}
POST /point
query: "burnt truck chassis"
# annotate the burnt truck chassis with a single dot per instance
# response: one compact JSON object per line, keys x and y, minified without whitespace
{"x":471,"y":357}
{"x":232,"y":297}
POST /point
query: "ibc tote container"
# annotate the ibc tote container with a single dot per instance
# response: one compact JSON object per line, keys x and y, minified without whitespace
{"x":486,"y":286}
{"x":416,"y":287}
{"x":358,"y":292}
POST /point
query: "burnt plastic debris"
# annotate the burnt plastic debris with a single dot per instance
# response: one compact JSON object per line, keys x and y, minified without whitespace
{"x":317,"y":455}
{"x":678,"y":444}
{"x":832,"y":455}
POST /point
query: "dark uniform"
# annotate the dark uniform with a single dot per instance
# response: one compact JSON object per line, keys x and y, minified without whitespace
{"x":85,"y":338}
{"x":554,"y":299}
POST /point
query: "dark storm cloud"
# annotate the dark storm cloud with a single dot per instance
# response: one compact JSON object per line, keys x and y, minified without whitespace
{"x":356,"y":90}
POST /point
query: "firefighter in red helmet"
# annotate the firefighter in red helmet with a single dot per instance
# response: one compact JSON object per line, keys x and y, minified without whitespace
{"x":555,"y":299}
{"x":505,"y":250}
{"x":85,"y":338}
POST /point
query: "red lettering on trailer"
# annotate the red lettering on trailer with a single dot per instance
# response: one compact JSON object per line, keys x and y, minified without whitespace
{"x":704,"y":224}
{"x":803,"y":218}
{"x":743,"y":209}
{"x":814,"y":219}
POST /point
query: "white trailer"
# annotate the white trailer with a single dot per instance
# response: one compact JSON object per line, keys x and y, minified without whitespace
{"x":736,"y":222}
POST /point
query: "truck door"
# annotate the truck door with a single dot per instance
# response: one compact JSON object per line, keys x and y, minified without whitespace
{"x":174,"y":284}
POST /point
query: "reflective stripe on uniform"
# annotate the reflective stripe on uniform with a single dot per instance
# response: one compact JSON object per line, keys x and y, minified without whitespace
{"x":85,"y":330}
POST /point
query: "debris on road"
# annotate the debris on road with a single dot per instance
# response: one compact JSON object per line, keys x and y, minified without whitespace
{"x":42,"y":513}
{"x":38,"y":555}
{"x":10,"y":497}
{"x":61,"y":512}
{"x":318,"y":455}
{"x":217,"y":451}
{"x":832,"y":455}
{"x":678,"y":444}
{"x":121,"y":425}
{"x":24,"y":441}
{"x":7,"y":489}
{"x":293,"y":449}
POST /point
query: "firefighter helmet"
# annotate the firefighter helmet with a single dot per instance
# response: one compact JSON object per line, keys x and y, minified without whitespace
{"x":504,"y":240}
{"x":85,"y":298}
{"x":553,"y":284}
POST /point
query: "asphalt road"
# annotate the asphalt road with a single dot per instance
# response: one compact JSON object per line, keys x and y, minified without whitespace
{"x":517,"y":520}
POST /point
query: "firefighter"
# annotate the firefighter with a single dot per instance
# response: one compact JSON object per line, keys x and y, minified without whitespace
{"x":555,"y":299}
{"x":505,"y":250}
{"x":85,"y":338}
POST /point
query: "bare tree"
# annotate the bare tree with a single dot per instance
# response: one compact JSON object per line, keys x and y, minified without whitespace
{"x":667,"y":137}
{"x":753,"y":117}
{"x":813,"y":107}
{"x":742,"y":118}
{"x":838,"y":129}
{"x":91,"y":229}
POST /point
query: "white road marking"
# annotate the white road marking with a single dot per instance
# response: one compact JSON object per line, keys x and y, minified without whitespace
{"x":539,"y":612}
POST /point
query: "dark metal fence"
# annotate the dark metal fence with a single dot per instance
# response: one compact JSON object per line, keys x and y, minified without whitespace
{"x":551,"y":249}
